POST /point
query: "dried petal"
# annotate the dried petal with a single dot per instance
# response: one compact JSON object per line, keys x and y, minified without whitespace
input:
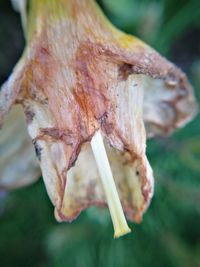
{"x":78,"y":75}
{"x":18,"y":164}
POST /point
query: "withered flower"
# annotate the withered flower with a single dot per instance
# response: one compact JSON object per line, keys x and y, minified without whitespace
{"x":87,"y":90}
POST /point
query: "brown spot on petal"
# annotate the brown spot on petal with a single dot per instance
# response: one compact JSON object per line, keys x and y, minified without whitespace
{"x":125,"y":70}
{"x":29,"y":115}
{"x":38,"y":149}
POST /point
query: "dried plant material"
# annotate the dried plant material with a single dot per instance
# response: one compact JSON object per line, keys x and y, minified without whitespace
{"x":79,"y":75}
{"x":18,"y":164}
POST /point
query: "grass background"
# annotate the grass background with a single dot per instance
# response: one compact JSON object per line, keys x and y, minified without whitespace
{"x":170,"y":232}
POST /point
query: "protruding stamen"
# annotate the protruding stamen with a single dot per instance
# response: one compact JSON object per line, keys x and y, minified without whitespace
{"x":114,"y":204}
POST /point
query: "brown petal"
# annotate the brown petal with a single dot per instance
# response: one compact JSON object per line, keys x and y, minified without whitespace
{"x":133,"y":175}
{"x":84,"y":188}
{"x":79,"y":74}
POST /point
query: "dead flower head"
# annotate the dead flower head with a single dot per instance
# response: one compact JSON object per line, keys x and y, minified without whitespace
{"x":88,"y":92}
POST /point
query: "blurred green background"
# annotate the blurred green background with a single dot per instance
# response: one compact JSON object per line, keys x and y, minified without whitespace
{"x":170,"y":232}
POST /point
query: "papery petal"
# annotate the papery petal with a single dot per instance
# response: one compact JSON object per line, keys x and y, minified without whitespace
{"x":84,"y":188}
{"x":79,"y":75}
{"x":18,"y":164}
{"x":124,"y":130}
{"x":10,"y":90}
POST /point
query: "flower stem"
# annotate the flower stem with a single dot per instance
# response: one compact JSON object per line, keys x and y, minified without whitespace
{"x":119,"y":221}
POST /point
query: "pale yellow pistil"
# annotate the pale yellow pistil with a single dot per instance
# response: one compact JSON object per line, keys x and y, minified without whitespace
{"x":118,"y":218}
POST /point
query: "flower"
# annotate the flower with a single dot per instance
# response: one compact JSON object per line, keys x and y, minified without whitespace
{"x":88,"y":92}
